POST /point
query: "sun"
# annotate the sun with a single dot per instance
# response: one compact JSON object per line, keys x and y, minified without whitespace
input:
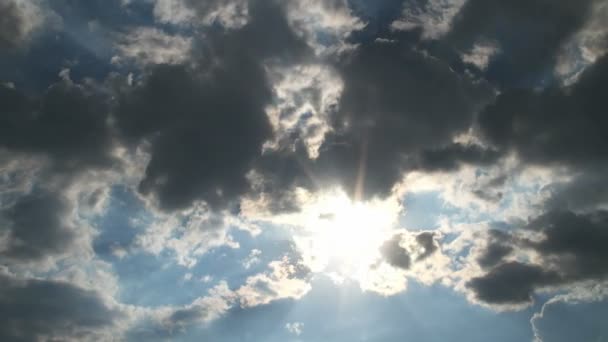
{"x":344,"y":236}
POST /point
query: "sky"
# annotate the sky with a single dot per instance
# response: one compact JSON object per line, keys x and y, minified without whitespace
{"x":304,"y":170}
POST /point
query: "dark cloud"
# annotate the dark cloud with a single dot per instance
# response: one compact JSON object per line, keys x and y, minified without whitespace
{"x":395,"y":254}
{"x":586,"y":191}
{"x":529,"y":34}
{"x":572,"y":249}
{"x":574,"y":243}
{"x":38,"y":226}
{"x":396,"y":103}
{"x":426,"y":241}
{"x":206,"y":124}
{"x":554,"y":126}
{"x":511,"y":283}
{"x":399,"y":255}
{"x":494,"y":254}
{"x":68,"y":124}
{"x":450,"y":157}
{"x":44,"y":310}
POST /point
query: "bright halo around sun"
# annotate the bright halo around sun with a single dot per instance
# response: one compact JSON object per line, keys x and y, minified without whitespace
{"x":343,"y":236}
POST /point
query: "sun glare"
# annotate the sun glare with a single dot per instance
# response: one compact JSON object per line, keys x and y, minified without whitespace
{"x":345,"y":236}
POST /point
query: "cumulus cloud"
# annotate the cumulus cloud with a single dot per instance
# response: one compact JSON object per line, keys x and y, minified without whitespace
{"x":242,"y":115}
{"x":389,"y":111}
{"x":307,"y":96}
{"x":287,"y":279}
{"x":36,"y":226}
{"x":568,"y":251}
{"x":213,"y":113}
{"x":34,"y":309}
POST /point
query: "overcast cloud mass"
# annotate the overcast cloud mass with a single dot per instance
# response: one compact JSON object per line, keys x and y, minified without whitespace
{"x":303,"y":170}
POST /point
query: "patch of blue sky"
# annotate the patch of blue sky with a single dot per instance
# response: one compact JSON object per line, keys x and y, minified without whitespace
{"x":586,"y":321}
{"x":343,"y":313}
{"x":423,"y":210}
{"x":124,"y":218}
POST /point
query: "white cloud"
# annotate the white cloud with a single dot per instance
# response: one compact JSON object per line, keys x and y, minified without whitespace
{"x":334,"y":19}
{"x":252,"y":259}
{"x":584,"y":47}
{"x":146,"y":45}
{"x":481,"y":54}
{"x":285,"y":279}
{"x":230,"y":14}
{"x":189,"y":235}
{"x":295,"y":328}
{"x":306,"y":98}
{"x":434,"y":17}
{"x":173,"y":12}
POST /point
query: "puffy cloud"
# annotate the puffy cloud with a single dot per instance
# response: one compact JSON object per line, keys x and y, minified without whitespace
{"x":45,"y":310}
{"x":433,"y":17}
{"x":568,"y":251}
{"x":287,"y":279}
{"x":202,"y":310}
{"x":214,"y":114}
{"x":295,"y":328}
{"x":307,"y":96}
{"x":189,"y":234}
{"x":37,"y":226}
{"x":230,"y":14}
{"x":325,"y":25}
{"x":389,"y":113}
{"x":146,"y":45}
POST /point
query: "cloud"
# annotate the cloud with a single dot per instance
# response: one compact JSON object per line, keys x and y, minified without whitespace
{"x":230,"y":14}
{"x":306,"y":97}
{"x":395,"y":254}
{"x":552,"y":126}
{"x":252,"y":259}
{"x":33,"y":309}
{"x":568,"y":251}
{"x":294,"y":328}
{"x":432,"y":16}
{"x":530,"y":46}
{"x":287,"y":279}
{"x":19,"y":19}
{"x":67,"y":124}
{"x":585,"y":305}
{"x":188,"y":235}
{"x":202,"y":310}
{"x":325,"y":25}
{"x":407,"y":248}
{"x":146,"y":45}
{"x":389,"y":113}
{"x":214,"y":114}
{"x":37,"y":226}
